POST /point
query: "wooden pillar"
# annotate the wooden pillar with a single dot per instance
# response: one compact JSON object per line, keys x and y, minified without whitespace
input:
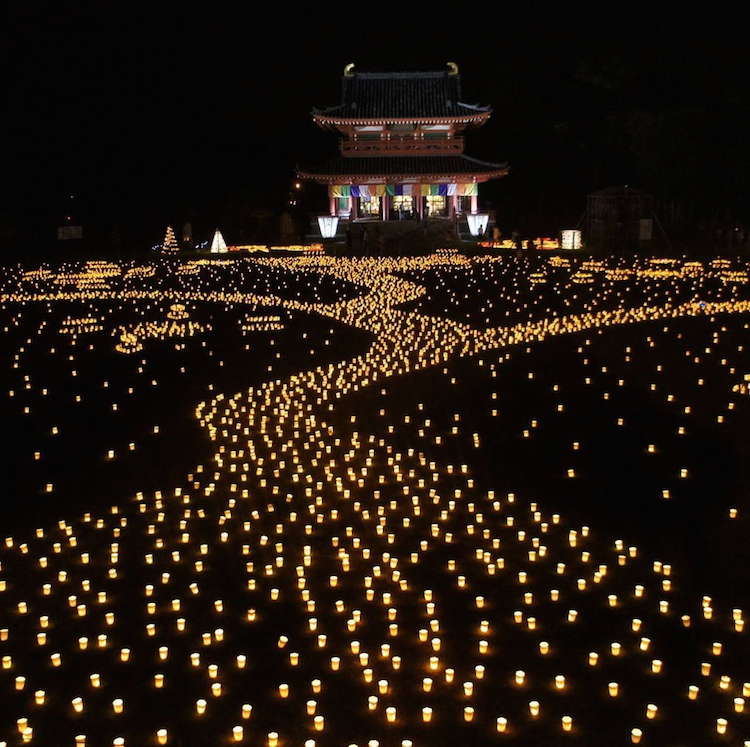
{"x":454,"y":205}
{"x":474,"y":201}
{"x":385,"y":206}
{"x":351,"y":207}
{"x":332,"y":203}
{"x":420,"y":202}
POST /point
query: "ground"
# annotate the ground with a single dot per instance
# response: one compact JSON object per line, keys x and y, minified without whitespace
{"x":367,"y":501}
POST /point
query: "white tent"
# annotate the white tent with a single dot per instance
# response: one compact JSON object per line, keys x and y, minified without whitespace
{"x":218,"y":244}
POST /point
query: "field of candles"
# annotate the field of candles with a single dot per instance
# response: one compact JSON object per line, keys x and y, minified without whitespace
{"x":339,"y":502}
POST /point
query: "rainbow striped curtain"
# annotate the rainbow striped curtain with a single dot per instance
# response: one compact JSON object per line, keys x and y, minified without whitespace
{"x":399,"y":189}
{"x":380,"y":190}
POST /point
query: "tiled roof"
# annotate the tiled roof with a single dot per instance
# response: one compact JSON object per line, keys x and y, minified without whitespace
{"x":400,"y":166}
{"x":388,"y":96}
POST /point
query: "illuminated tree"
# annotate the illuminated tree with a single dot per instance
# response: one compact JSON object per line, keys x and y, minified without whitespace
{"x":170,"y":242}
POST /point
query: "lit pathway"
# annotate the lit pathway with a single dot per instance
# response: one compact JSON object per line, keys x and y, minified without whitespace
{"x":322,"y":582}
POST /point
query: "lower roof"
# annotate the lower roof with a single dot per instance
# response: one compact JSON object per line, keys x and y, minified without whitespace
{"x":343,"y":169}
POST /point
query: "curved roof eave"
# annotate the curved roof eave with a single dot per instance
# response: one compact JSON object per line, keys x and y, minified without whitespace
{"x":480,"y":116}
{"x":353,"y":178}
{"x":332,"y":109}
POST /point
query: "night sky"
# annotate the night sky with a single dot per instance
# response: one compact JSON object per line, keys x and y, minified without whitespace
{"x":155,"y":117}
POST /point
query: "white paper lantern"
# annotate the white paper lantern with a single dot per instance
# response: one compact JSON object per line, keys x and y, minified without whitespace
{"x":328,"y":225}
{"x":478,"y":223}
{"x":571,"y":239}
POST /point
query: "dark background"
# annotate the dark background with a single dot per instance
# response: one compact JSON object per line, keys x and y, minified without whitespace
{"x":154,"y":116}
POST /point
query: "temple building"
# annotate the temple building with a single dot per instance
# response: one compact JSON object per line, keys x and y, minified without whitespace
{"x":401,"y":143}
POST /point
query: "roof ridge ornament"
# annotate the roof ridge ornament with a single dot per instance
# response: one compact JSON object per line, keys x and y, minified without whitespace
{"x":349,"y":70}
{"x":452,"y":68}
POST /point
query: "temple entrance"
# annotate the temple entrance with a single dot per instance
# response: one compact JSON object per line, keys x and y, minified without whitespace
{"x":369,"y":207}
{"x":436,"y":206}
{"x":403,"y":207}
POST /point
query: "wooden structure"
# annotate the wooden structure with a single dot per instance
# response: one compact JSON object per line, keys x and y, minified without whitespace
{"x":401,"y":148}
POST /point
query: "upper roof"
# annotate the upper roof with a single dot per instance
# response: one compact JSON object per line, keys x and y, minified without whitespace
{"x":401,"y":96}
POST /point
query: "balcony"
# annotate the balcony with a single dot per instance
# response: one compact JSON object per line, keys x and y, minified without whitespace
{"x":400,"y":145}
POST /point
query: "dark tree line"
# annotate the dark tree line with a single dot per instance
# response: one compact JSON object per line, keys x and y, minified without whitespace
{"x":659,"y":107}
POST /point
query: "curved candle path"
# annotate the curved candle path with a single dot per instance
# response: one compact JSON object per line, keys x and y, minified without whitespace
{"x":320,"y":539}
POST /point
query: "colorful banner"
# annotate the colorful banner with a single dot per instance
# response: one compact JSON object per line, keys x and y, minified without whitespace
{"x":357,"y":190}
{"x":380,"y":190}
{"x":393,"y":190}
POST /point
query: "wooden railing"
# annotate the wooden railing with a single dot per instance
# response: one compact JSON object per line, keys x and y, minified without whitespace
{"x":400,"y":146}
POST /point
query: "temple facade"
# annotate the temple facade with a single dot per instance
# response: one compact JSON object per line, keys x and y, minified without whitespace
{"x":401,"y":148}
